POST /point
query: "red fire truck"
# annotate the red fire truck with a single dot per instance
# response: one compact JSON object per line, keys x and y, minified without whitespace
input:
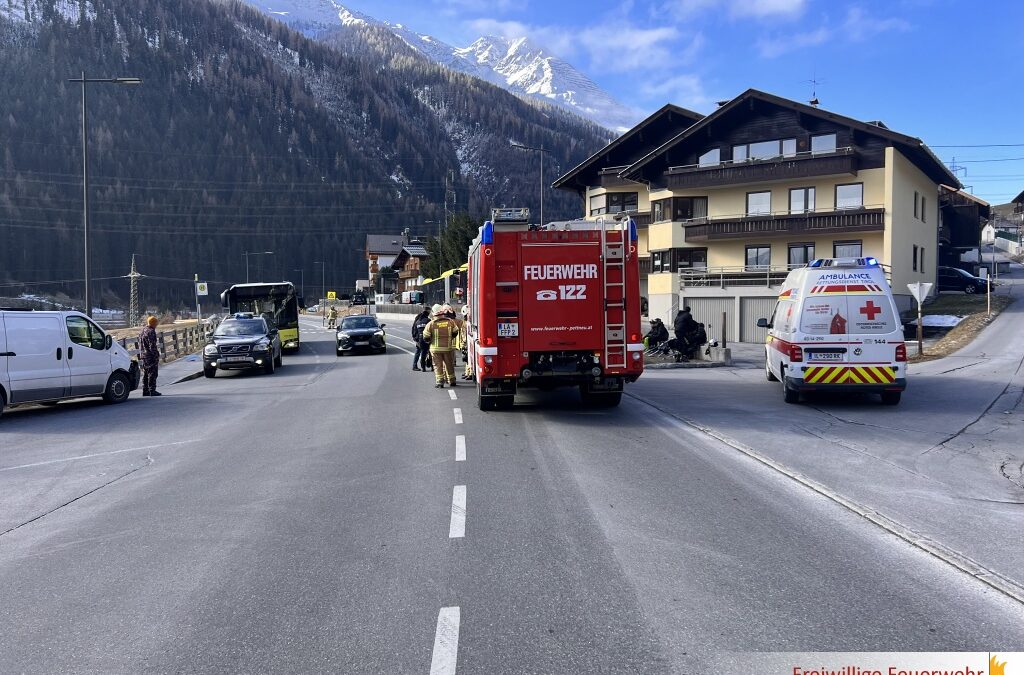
{"x":554,"y":306}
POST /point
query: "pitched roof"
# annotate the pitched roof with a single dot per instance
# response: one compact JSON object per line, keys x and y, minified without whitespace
{"x":384,"y":244}
{"x":916,"y":150}
{"x":593,"y":162}
{"x":1018,"y":199}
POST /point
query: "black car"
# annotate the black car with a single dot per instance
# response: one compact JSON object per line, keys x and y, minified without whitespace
{"x":357,"y":299}
{"x":956,"y":279}
{"x":361,"y":332}
{"x":242,"y":342}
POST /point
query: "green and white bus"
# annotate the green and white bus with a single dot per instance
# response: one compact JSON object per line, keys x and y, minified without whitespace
{"x":276,"y":302}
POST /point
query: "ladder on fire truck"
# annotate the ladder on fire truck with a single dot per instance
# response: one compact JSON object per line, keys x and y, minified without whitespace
{"x":614,"y":255}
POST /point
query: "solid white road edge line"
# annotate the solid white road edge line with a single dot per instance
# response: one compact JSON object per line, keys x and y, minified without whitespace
{"x":401,"y":349}
{"x":457,"y":528}
{"x":460,"y":448}
{"x":96,"y":454}
{"x":452,"y":396}
{"x":458,"y":415}
{"x":446,"y":642}
{"x":402,"y":339}
{"x":955,"y":559}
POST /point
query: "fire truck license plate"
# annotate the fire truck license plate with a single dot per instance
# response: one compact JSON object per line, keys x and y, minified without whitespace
{"x":508,"y":330}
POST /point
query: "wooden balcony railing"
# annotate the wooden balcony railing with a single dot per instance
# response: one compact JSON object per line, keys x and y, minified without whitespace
{"x":800,"y":165}
{"x":868,"y":219}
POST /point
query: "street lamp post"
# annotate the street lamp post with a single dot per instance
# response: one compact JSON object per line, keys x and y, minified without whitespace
{"x":323,"y":286}
{"x":541,"y":151}
{"x":246,"y":255}
{"x":85,"y":173}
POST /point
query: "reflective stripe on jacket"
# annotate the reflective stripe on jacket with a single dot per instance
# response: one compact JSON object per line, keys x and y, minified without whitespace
{"x":441,"y":334}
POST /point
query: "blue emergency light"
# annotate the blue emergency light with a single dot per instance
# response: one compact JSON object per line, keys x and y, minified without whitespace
{"x":487,"y":233}
{"x":633,"y":236}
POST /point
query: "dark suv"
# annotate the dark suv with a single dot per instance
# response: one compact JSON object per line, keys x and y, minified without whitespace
{"x":357,"y":299}
{"x":956,"y":279}
{"x":242,"y":342}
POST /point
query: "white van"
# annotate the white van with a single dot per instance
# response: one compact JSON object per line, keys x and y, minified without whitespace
{"x":51,"y":356}
{"x":836,"y":328}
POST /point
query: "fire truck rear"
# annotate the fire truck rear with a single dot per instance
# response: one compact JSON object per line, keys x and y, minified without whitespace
{"x":554,"y":306}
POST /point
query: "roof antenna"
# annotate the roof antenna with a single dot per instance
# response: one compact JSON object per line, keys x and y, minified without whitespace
{"x":814,"y":82}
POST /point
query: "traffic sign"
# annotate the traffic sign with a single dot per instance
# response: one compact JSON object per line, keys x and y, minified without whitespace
{"x":331,"y":295}
{"x":202,"y":288}
{"x":920,"y":290}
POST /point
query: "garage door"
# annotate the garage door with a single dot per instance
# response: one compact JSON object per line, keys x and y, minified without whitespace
{"x":708,"y":311}
{"x":752,"y":309}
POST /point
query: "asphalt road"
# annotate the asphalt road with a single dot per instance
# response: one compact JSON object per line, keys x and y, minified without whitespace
{"x":327,"y":518}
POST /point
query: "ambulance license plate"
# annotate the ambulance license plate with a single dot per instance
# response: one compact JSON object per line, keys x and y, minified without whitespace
{"x":824,"y":356}
{"x":508,"y":330}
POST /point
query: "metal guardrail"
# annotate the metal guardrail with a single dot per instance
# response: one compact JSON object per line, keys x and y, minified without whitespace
{"x":172,"y":344}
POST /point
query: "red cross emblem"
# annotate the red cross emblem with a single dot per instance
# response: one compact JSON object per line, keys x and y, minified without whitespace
{"x":870,"y":310}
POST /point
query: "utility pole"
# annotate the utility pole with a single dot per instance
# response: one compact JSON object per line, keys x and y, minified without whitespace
{"x":541,"y":152}
{"x":133,"y":302}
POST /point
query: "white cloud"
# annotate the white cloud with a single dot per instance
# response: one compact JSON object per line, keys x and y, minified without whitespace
{"x":622,"y":48}
{"x":686,"y":90}
{"x":455,"y":6}
{"x":772,"y":47}
{"x":757,"y":9}
{"x":859,"y":26}
{"x":551,"y":37}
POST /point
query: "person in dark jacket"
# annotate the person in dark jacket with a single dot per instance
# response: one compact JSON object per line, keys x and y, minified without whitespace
{"x":656,"y":335}
{"x":149,"y":352}
{"x":419,"y":359}
{"x":683,"y":324}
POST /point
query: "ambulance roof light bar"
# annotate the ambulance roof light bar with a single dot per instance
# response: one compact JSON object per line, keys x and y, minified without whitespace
{"x":844,"y":262}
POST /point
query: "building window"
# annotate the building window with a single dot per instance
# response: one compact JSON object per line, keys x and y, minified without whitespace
{"x":915,"y":203}
{"x":924,"y":219}
{"x":847,"y":249}
{"x":850,"y":196}
{"x":759,"y":257}
{"x":920,"y":262}
{"x":659,"y":260}
{"x":622,"y":201}
{"x":658,"y":211}
{"x":691,"y":259}
{"x":801,"y":200}
{"x":710,"y":158}
{"x":759,"y":203}
{"x":914,"y":260}
{"x":597,"y":205}
{"x":739,"y":153}
{"x":823,"y":143}
{"x":789,"y":147}
{"x":800,"y":254}
{"x":689,"y":208}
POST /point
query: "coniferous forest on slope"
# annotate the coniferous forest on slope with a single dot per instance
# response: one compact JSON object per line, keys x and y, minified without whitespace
{"x":245,"y":136}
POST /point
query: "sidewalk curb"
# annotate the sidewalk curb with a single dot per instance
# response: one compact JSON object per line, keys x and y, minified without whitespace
{"x":955,"y":559}
{"x":191,"y":376}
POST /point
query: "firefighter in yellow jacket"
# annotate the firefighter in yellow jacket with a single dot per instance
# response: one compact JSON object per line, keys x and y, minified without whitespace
{"x":442,"y":334}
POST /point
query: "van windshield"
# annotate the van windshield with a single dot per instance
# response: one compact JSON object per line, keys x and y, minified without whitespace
{"x":847,"y":315}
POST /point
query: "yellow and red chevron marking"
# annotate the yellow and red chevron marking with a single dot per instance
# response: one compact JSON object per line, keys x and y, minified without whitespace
{"x":849,"y":375}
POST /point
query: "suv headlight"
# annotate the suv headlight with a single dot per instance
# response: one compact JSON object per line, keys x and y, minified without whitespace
{"x":261,"y":346}
{"x":379,"y":333}
{"x":210,"y":350}
{"x":342,"y":335}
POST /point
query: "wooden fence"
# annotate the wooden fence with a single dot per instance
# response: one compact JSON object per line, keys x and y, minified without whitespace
{"x":173,"y":344}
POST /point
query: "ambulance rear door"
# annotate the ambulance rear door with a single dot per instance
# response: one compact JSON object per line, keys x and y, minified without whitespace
{"x":824,"y":324}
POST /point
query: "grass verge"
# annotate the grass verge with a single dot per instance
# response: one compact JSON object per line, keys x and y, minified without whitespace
{"x":975,"y":312}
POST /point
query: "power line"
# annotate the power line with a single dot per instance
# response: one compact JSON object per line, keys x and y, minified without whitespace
{"x":983,"y":145}
{"x":981,"y":161}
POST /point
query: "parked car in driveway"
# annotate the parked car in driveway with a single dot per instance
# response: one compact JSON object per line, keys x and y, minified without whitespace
{"x":244,"y":341}
{"x":956,"y":279}
{"x":361,"y":331}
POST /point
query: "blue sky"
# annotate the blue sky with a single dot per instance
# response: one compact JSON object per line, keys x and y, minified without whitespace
{"x":947,"y":71}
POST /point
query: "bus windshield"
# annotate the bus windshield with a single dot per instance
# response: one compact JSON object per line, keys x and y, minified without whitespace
{"x":276,"y":303}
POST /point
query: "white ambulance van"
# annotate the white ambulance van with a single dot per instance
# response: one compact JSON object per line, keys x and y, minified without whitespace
{"x":836,"y":328}
{"x":47,"y":357}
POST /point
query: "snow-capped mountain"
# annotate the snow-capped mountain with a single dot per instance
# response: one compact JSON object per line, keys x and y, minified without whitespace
{"x":518,"y":65}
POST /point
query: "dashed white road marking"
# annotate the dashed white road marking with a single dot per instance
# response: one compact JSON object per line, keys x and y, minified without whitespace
{"x":460,"y":448}
{"x":451,"y":395}
{"x":402,"y":339}
{"x":97,"y":454}
{"x":446,"y":642}
{"x":457,"y":528}
{"x":458,"y":415}
{"x":401,"y":349}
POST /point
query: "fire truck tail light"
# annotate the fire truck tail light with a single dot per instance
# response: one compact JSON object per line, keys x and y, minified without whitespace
{"x":636,"y":356}
{"x":488,"y":370}
{"x":901,"y":352}
{"x":488,"y":359}
{"x":796,"y":353}
{"x":634,"y":337}
{"x":488,"y":341}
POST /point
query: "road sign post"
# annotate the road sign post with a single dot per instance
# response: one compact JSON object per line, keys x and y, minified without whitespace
{"x":201,"y":289}
{"x":920,"y":291}
{"x":987,"y":276}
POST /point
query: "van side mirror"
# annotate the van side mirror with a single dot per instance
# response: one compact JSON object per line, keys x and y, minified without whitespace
{"x":763,"y":323}
{"x":382,"y":325}
{"x":108,"y":342}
